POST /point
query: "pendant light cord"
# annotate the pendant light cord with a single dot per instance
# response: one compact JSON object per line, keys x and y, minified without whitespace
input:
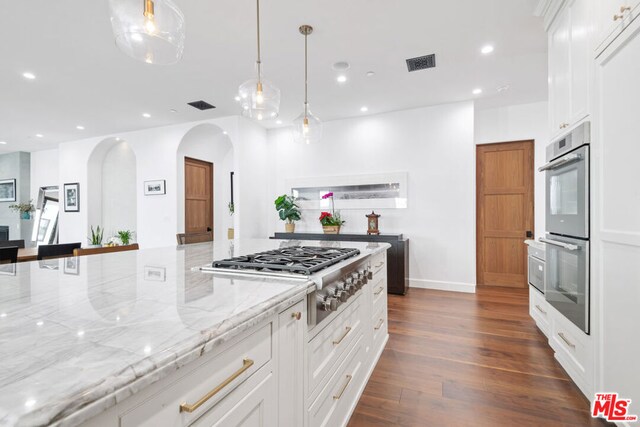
{"x":306,"y":78}
{"x":259,"y":62}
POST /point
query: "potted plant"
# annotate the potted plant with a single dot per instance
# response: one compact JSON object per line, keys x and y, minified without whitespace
{"x":95,"y":239}
{"x":288,"y":211}
{"x":231,"y":231}
{"x":24,"y":209}
{"x":125,"y":236}
{"x":331,"y":221}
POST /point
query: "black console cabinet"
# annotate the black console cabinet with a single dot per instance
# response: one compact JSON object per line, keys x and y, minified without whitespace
{"x":397,"y":256}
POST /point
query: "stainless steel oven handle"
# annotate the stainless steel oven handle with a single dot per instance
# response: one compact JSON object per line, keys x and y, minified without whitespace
{"x":561,"y":162}
{"x":567,"y":246}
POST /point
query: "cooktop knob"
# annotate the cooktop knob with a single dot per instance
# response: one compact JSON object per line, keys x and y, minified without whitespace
{"x":363,"y":276}
{"x":341,"y":295}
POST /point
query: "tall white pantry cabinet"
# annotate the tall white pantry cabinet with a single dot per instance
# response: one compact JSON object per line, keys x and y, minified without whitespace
{"x":594,"y":74}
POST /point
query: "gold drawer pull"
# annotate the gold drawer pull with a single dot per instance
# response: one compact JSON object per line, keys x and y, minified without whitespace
{"x":344,"y":387}
{"x":379,"y":324}
{"x":624,"y":9}
{"x":347,"y":330}
{"x":617,"y":17}
{"x":185,"y":407}
{"x":541,"y":310}
{"x":380,"y":289}
{"x":296,"y":315}
{"x":569,"y":343}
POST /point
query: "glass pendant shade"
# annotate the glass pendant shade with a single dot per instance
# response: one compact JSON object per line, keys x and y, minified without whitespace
{"x":307,"y":128}
{"x":260,"y":100}
{"x":152,"y":31}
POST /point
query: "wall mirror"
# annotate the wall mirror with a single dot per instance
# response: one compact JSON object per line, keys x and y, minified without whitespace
{"x":45,"y":229}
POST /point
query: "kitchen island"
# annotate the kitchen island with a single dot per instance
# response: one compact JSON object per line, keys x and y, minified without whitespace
{"x":138,"y":338}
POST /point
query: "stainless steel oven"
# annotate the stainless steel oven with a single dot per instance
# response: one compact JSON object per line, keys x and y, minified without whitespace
{"x":536,"y":268}
{"x":567,"y":184}
{"x":567,"y":278}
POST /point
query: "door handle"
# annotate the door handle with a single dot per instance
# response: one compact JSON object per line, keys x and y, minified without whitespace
{"x":209,"y":229}
{"x":567,"y":246}
{"x":529,"y":233}
{"x":560,"y":162}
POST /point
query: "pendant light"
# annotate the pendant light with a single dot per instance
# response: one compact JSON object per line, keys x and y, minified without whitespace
{"x":152,"y":31}
{"x":307,"y":128}
{"x":260,"y":100}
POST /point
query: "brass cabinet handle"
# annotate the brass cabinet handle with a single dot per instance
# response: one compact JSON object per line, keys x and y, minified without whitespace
{"x":569,"y":343}
{"x":617,"y":17}
{"x":541,"y":310}
{"x":379,"y":324}
{"x":346,"y":332}
{"x":344,"y":387}
{"x":185,"y":407}
{"x":380,"y":289}
{"x":296,"y":315}
{"x":624,"y":9}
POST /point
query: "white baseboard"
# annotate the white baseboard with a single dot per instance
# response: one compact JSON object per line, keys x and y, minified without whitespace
{"x":443,"y":286}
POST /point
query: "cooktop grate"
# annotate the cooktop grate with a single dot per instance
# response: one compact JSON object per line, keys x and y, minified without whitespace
{"x":296,"y":259}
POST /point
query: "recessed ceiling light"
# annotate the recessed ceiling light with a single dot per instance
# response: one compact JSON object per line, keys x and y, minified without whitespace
{"x":477,"y":91}
{"x":146,"y":115}
{"x":237,"y":98}
{"x":341,"y":78}
{"x":487,"y":49}
{"x":29,"y":76}
{"x":80,"y":127}
{"x":364,"y":109}
{"x":278,"y":122}
{"x":371,"y":73}
{"x":3,"y":142}
{"x":341,"y":66}
{"x":39,"y":135}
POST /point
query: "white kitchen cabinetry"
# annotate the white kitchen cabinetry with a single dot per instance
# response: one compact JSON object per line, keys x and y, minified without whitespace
{"x":291,"y":335}
{"x":616,"y":223}
{"x":613,"y":17}
{"x":569,"y":66}
{"x":539,"y":310}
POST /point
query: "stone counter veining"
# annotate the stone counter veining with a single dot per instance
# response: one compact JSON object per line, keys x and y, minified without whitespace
{"x":78,"y":335}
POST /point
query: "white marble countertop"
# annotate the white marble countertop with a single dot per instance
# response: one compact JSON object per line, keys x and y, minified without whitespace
{"x":78,"y":335}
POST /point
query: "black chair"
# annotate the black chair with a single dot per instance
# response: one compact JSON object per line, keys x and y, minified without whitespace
{"x":57,"y":251}
{"x":9,"y":243}
{"x":8,"y":255}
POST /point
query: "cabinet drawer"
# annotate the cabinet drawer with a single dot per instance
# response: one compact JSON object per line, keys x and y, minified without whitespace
{"x":379,"y":294}
{"x":539,"y":309}
{"x":570,"y":345}
{"x":332,"y":405}
{"x":378,"y":262}
{"x":325,"y":349}
{"x":225,"y":372}
{"x":379,"y":328}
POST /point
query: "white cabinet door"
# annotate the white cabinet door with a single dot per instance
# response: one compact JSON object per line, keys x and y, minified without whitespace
{"x":581,"y":59}
{"x":559,"y":72}
{"x":613,"y":17}
{"x":291,"y":326}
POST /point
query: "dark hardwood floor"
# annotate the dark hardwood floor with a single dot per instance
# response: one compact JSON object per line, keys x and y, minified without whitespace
{"x":457,"y":359}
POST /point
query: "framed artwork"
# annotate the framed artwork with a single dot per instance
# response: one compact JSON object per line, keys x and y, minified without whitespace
{"x":155,"y":188}
{"x":155,"y":274}
{"x":71,"y":196}
{"x":7,"y":190}
{"x":71,"y":266}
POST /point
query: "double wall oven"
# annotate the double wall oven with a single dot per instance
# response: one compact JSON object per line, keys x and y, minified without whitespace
{"x":567,"y":223}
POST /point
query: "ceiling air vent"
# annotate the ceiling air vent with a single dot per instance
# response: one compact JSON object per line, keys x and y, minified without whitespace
{"x":201,"y":105}
{"x":421,"y":62}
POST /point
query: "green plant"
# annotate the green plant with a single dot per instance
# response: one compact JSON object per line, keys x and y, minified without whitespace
{"x":125,"y":236}
{"x":287,"y":209}
{"x":96,"y":235}
{"x":23,"y":207}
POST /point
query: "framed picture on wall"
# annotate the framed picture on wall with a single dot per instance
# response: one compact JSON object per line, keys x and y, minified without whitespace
{"x":72,"y":197}
{"x":155,"y":188}
{"x":71,"y":266}
{"x":7,"y":190}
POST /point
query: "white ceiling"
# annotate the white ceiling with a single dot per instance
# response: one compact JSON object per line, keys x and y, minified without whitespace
{"x":82,"y":78}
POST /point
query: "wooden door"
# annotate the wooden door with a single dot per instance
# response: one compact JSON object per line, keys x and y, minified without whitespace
{"x":504,"y":185}
{"x":198,"y":198}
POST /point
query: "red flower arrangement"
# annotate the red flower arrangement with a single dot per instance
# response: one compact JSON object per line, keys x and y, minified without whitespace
{"x":330,"y":218}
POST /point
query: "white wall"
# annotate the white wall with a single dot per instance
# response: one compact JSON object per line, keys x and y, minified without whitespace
{"x":119,"y":198}
{"x":44,"y":171}
{"x":435,"y":145}
{"x":208,"y":142}
{"x":16,"y":166}
{"x":516,"y":123}
{"x":156,"y":152}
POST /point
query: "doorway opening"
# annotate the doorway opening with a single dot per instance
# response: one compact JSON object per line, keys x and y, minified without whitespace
{"x":505,"y":212}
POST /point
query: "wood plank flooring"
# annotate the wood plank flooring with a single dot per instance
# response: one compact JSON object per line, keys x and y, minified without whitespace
{"x":457,"y":359}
